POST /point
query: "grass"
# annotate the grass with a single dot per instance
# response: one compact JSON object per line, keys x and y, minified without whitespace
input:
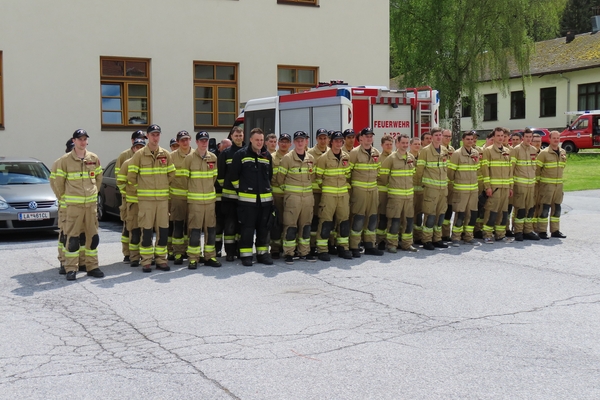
{"x":582,"y":171}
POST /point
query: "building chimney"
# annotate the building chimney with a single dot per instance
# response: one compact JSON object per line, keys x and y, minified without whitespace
{"x":595,"y":23}
{"x":570,"y":36}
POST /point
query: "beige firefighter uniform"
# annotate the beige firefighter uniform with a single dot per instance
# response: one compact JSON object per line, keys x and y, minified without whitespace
{"x":447,"y":224}
{"x":178,"y":204}
{"x":382,"y":222}
{"x":316,"y":153}
{"x":432,"y":175}
{"x":364,"y":167}
{"x":62,"y":215}
{"x":151,"y":173}
{"x":131,"y":212}
{"x":463,"y":174}
{"x":418,"y":206}
{"x":200,"y":175}
{"x":480,"y":190}
{"x":296,"y":176}
{"x":125,"y":235}
{"x":332,"y":175}
{"x":550,"y":168}
{"x":276,"y":244}
{"x":396,"y":174}
{"x":496,"y":169}
{"x":523,"y":159}
{"x":77,"y":182}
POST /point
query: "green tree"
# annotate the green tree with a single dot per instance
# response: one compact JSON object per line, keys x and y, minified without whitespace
{"x":453,"y":44}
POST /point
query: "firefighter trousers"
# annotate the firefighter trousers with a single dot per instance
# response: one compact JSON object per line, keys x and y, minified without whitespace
{"x":201,"y":218}
{"x":523,"y":208}
{"x":314,"y":224}
{"x":219,"y":225}
{"x":496,"y":214}
{"x":447,"y":224}
{"x":418,"y":207}
{"x":435,"y":203}
{"x":178,"y":216}
{"x":62,"y":237}
{"x":551,"y":198}
{"x":253,"y":217}
{"x":334,"y":213}
{"x":382,"y":221}
{"x":400,"y":220}
{"x":153,"y":214}
{"x":363,"y":217}
{"x":135,"y":233}
{"x":464,"y":204}
{"x":275,"y":233}
{"x":125,"y":235}
{"x":231,"y":228}
{"x":297,"y":220}
{"x":81,"y":227}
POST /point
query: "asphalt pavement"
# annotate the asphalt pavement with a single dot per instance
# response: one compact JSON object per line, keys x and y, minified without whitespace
{"x":518,"y":321}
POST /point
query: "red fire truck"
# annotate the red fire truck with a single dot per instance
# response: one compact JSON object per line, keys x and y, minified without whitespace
{"x":583,"y":133}
{"x":338,"y":106}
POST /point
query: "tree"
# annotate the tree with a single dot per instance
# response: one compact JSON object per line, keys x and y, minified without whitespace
{"x":577,"y":16}
{"x":453,"y":44}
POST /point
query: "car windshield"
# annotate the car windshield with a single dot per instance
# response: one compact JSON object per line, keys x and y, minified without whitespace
{"x":23,"y":173}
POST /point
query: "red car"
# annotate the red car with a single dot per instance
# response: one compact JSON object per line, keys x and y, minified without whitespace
{"x":543,"y":132}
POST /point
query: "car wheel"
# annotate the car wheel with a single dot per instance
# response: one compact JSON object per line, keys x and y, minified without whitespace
{"x":101,"y":212}
{"x":570,"y":147}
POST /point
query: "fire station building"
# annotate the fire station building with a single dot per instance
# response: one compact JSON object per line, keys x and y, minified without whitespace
{"x":112,"y":67}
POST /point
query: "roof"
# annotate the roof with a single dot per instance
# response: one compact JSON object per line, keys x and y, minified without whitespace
{"x":556,"y":55}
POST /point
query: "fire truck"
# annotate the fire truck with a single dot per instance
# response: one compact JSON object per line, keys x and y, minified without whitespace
{"x":583,"y":133}
{"x":338,"y":106}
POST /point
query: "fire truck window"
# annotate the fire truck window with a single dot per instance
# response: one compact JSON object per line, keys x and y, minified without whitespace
{"x":582,"y":124}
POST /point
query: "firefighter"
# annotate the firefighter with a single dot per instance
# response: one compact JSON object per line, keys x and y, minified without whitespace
{"x":178,"y":201}
{"x":463,"y":174}
{"x":426,"y":139}
{"x":332,"y":173}
{"x":229,"y":197}
{"x":130,"y":205}
{"x":62,"y":211}
{"x":295,"y":175}
{"x":536,"y":142}
{"x":78,"y":179}
{"x":478,"y":232}
{"x":125,"y":155}
{"x":271,"y":143}
{"x":551,"y":163}
{"x":396,"y":174}
{"x":415,"y":148}
{"x":152,"y":170}
{"x":349,"y":137}
{"x":387,"y":147}
{"x":364,"y":167}
{"x":322,"y":137}
{"x":523,"y":158}
{"x":446,"y":226}
{"x":432,"y":175}
{"x":250,"y":173}
{"x":496,"y":169}
{"x":200,"y":173}
{"x":173,"y":145}
{"x":285,"y":142}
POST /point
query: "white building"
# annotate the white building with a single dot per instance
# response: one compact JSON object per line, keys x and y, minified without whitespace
{"x":114,"y":66}
{"x":565,"y":76}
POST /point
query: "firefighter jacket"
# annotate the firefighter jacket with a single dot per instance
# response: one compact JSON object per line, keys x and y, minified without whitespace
{"x":364,"y":167}
{"x":177,"y":188}
{"x":416,"y":185}
{"x":432,"y":167}
{"x":296,"y":175}
{"x":550,"y":166}
{"x":463,"y":170}
{"x":151,"y":173}
{"x":480,"y":185}
{"x":496,"y":168}
{"x":316,"y":153}
{"x":128,"y":190}
{"x":78,"y":180}
{"x":250,"y":174}
{"x":396,"y":174}
{"x":199,"y":177}
{"x":276,"y":156}
{"x":382,"y":157}
{"x":332,"y":174}
{"x":125,"y":155}
{"x":523,"y":159}
{"x":61,"y":202}
{"x":223,"y":185}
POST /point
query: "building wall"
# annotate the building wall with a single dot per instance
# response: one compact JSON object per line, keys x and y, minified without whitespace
{"x":51,"y":58}
{"x":566,"y":100}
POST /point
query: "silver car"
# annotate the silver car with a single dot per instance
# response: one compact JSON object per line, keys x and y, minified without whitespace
{"x":26,"y":200}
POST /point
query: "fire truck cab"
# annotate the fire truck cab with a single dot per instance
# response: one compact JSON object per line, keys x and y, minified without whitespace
{"x":583,"y":133}
{"x":338,"y":106}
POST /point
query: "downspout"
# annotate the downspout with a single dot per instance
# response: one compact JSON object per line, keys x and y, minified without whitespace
{"x":568,"y":97}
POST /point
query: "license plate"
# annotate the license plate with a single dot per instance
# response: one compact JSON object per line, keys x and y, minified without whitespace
{"x":33,"y":216}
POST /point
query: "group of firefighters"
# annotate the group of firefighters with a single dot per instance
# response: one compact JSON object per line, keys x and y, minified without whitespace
{"x":308,"y":204}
